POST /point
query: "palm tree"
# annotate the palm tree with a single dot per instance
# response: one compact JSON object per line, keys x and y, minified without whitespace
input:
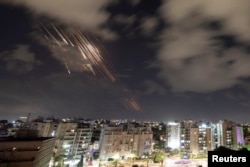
{"x":147,"y":158}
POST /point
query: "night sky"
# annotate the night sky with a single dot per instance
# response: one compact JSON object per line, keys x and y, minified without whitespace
{"x":170,"y":59}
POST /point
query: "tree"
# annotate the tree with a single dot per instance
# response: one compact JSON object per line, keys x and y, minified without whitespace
{"x":158,"y":157}
{"x":147,"y":158}
{"x":243,"y":149}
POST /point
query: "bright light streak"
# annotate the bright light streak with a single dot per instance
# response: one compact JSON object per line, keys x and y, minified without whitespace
{"x":87,"y":58}
{"x":67,"y":67}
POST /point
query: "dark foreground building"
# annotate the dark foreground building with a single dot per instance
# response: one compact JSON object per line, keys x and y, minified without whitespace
{"x":26,"y":152}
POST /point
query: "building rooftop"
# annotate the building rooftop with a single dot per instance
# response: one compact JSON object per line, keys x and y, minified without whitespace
{"x":9,"y":139}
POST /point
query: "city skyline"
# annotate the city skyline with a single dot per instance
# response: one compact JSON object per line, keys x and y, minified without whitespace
{"x":159,"y":61}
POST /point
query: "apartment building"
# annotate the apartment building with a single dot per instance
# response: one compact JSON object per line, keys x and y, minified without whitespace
{"x":190,"y":137}
{"x":65,"y":139}
{"x":118,"y":142}
{"x":28,"y":152}
{"x":200,"y":139}
{"x":45,"y":129}
{"x":173,"y":135}
{"x":228,"y":134}
{"x":82,"y":140}
{"x":196,"y":138}
{"x":185,"y":132}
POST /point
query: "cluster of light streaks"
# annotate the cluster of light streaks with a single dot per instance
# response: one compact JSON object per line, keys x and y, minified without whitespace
{"x":76,"y":51}
{"x":131,"y":104}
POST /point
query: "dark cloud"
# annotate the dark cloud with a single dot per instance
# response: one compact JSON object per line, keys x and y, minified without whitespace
{"x":90,"y":15}
{"x":191,"y":59}
{"x":124,"y":19}
{"x":20,"y":60}
{"x":134,"y":2}
{"x":154,"y":87}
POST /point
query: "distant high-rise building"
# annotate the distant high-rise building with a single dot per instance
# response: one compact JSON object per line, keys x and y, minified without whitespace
{"x":246,"y":132}
{"x":200,"y":139}
{"x":228,"y":134}
{"x":185,"y":130}
{"x":173,"y":135}
{"x":240,"y":140}
{"x":190,"y":137}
